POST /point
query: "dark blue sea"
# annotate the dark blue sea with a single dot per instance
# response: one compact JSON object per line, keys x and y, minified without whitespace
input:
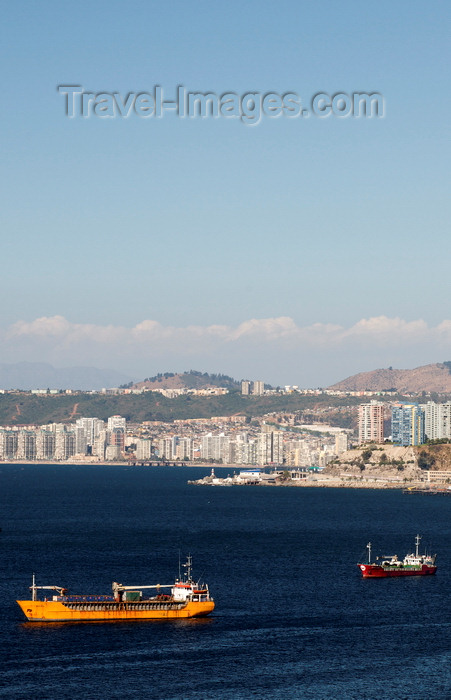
{"x":293,"y":617}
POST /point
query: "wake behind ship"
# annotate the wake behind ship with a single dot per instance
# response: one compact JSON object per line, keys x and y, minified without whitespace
{"x":187,"y":598}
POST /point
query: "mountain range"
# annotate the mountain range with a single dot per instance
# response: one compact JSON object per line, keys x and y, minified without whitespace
{"x":41,"y":375}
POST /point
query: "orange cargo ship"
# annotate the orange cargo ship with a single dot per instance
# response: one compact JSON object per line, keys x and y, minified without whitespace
{"x":187,"y":598}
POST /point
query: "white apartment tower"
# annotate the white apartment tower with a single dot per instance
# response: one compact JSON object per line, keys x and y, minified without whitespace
{"x":371,"y":422}
{"x":341,"y":443}
{"x":65,"y":444}
{"x":91,"y":428}
{"x":270,"y":447}
{"x":144,"y":449}
{"x":117,"y":423}
{"x":437,"y":420}
{"x":26,"y":445}
{"x":215,"y":447}
{"x":184,"y":449}
{"x":45,"y":444}
{"x":245,"y":387}
{"x":8,"y":444}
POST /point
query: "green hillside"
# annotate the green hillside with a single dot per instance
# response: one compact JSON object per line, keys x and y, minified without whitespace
{"x":22,"y":409}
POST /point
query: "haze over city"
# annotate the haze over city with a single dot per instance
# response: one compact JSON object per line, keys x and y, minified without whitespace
{"x":295,"y":250}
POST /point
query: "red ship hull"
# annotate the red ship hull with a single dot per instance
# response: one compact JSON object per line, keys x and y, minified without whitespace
{"x":376,"y":571}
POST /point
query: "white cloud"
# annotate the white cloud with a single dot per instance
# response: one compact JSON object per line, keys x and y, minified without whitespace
{"x":277,"y":348}
{"x":376,"y":329}
{"x":46,"y":326}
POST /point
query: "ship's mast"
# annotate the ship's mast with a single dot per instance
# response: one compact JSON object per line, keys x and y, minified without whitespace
{"x":368,"y":546}
{"x":417,"y":542}
{"x":187,"y":566}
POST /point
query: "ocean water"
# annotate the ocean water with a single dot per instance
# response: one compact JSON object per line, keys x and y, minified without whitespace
{"x":293,"y":617}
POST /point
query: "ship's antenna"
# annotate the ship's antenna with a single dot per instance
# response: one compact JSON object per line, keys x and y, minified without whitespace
{"x":368,"y":546}
{"x":188,"y":566}
{"x":417,"y":542}
{"x":33,"y":588}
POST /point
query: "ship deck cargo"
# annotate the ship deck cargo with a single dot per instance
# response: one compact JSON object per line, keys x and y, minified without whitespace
{"x":187,"y":598}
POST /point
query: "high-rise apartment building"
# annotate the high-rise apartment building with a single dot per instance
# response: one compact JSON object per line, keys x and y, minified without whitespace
{"x":115,"y":422}
{"x":8,"y":444}
{"x":437,"y":420}
{"x":144,"y":449}
{"x":245,"y":388}
{"x":407,"y":424}
{"x":341,"y":442}
{"x":91,"y":428}
{"x":184,"y":449}
{"x":116,"y":437}
{"x":371,"y":422}
{"x":215,"y":447}
{"x":258,"y":388}
{"x":270,"y":447}
{"x":45,"y":444}
{"x":165,"y":448}
{"x":100,"y":443}
{"x":65,"y":444}
{"x":81,"y":441}
{"x":26,"y":445}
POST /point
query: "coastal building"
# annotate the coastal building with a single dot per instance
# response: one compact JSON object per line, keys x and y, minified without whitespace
{"x":8,"y":444}
{"x":117,"y":422}
{"x":144,"y":449}
{"x":215,"y":447}
{"x":116,"y":438}
{"x":26,"y":445}
{"x":112,"y":452}
{"x":81,"y":441}
{"x":407,"y":424}
{"x":65,"y":444}
{"x":45,"y":444}
{"x":242,"y":450}
{"x":165,"y":448}
{"x":87,"y":430}
{"x":341,"y":443}
{"x":270,"y":447}
{"x":295,"y":453}
{"x":99,"y":446}
{"x":184,"y":449}
{"x":437,"y":420}
{"x":371,"y":422}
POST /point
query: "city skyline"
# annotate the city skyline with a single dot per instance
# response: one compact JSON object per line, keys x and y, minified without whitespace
{"x":299,"y":250}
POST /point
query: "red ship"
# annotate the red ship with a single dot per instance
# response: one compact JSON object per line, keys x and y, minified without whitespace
{"x":412,"y":564}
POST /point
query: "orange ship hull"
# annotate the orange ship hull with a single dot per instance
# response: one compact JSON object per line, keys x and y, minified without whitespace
{"x":57,"y":611}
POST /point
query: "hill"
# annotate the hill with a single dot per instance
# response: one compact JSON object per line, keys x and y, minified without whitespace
{"x":392,"y":461}
{"x":428,"y":378}
{"x":23,"y":409}
{"x":187,"y":380}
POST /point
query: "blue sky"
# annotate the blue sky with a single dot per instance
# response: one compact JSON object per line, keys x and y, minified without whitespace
{"x":288,"y":236}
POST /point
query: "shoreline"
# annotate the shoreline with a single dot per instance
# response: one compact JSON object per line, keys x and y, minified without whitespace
{"x":318,"y":481}
{"x":325,"y":483}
